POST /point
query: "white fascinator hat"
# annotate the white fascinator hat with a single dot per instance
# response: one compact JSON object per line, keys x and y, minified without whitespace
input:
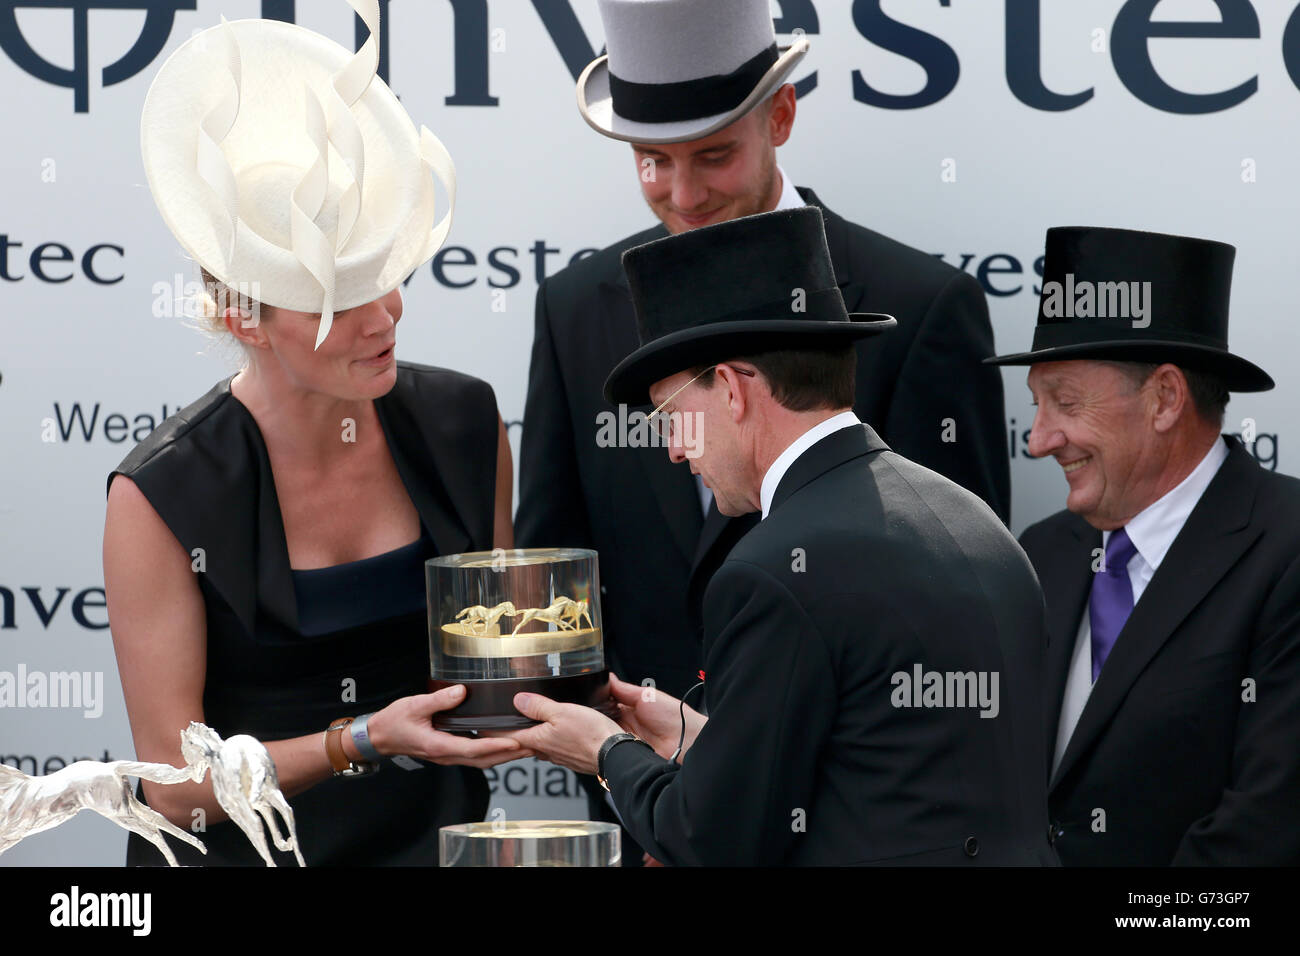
{"x":281,"y":162}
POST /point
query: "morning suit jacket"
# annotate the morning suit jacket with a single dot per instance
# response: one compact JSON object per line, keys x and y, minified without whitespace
{"x":866,"y":567}
{"x":643,"y":515}
{"x":1186,"y":771}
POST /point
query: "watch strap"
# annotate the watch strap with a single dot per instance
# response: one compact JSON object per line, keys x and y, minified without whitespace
{"x":338,"y":758}
{"x":334,"y":745}
{"x":610,"y":743}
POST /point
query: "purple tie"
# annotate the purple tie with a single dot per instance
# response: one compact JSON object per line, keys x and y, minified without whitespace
{"x":1111,"y":600}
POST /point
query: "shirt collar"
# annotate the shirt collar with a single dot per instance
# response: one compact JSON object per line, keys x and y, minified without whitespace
{"x":1153,"y":529}
{"x":790,"y":198}
{"x":776,"y":471}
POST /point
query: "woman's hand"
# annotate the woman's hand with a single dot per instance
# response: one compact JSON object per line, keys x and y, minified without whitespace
{"x":654,"y":716}
{"x":405,"y":727}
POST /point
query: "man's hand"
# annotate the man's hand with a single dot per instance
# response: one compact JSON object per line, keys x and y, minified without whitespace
{"x":569,"y":734}
{"x":654,"y":716}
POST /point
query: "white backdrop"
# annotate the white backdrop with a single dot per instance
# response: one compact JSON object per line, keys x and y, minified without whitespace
{"x":975,"y":176}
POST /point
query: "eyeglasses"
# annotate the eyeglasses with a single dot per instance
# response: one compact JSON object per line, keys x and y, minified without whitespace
{"x":666,"y":423}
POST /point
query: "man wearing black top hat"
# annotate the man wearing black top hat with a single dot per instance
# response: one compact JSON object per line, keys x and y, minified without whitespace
{"x":1172,"y":580}
{"x":700,"y":90}
{"x":871,"y":647}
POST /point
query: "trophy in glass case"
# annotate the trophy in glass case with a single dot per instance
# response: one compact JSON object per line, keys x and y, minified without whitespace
{"x":504,"y":622}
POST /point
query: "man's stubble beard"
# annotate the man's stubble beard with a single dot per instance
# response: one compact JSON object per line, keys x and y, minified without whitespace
{"x":752,"y":203}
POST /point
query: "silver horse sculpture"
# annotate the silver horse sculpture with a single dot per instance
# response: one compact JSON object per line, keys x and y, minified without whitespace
{"x":245,"y":784}
{"x":32,"y":804}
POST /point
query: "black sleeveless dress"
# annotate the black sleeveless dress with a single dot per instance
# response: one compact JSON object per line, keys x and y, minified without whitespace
{"x":290,"y":651}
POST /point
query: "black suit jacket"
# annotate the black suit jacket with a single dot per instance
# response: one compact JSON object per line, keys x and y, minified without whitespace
{"x":1185,"y":770}
{"x":806,"y":757}
{"x":643,"y":515}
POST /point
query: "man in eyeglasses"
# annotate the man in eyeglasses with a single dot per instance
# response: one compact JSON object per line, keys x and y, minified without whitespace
{"x":704,"y":151}
{"x":872,"y":647}
{"x":703,"y":96}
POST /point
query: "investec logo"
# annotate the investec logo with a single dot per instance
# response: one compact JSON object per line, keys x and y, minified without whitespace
{"x":75,"y":421}
{"x":47,"y":607}
{"x":1127,"y":40}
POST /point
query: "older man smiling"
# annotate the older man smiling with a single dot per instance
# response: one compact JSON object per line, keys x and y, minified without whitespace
{"x":1172,"y":580}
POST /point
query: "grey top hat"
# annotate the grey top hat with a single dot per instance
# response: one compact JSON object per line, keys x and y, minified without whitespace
{"x":680,"y":70}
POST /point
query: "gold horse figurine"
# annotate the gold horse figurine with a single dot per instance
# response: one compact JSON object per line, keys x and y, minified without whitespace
{"x":480,"y":619}
{"x":563,"y":612}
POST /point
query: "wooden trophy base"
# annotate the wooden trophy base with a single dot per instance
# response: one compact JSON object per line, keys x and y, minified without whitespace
{"x":489,"y":704}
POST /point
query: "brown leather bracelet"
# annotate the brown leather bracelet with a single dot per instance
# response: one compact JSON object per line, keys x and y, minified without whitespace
{"x":338,"y":758}
{"x":334,"y":745}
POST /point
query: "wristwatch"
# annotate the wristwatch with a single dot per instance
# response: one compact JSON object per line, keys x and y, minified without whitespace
{"x":343,"y":767}
{"x":610,"y":743}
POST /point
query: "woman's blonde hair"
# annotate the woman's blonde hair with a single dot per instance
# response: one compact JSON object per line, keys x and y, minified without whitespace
{"x":209,"y":311}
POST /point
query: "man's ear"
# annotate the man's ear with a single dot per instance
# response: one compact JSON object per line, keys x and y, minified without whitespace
{"x":739,"y":397}
{"x":780,"y":120}
{"x":1170,"y":397}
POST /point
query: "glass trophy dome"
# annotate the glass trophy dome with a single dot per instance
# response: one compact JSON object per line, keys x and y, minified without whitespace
{"x":530,"y":843}
{"x":502,"y":622}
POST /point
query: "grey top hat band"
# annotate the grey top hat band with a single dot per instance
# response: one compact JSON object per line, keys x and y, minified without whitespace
{"x":690,"y":99}
{"x":681,"y":70}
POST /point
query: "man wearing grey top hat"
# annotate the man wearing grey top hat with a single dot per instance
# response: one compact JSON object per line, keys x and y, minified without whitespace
{"x":1172,"y":579}
{"x":872,"y":647}
{"x":701,"y":91}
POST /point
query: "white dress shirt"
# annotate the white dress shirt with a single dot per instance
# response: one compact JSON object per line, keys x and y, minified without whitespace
{"x":790,"y":199}
{"x":776,"y":471}
{"x":1152,"y":532}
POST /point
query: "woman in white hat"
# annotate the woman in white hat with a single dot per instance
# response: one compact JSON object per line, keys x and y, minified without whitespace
{"x":264,"y":547}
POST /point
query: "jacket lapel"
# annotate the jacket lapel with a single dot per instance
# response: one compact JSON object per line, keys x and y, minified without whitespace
{"x":715,"y":524}
{"x":254,"y":525}
{"x":854,"y":293}
{"x":1217,"y":533}
{"x":832,"y":451}
{"x":1065,"y":572}
{"x":673,"y":486}
{"x":416,"y":454}
{"x":718,"y":537}
{"x":721,"y":533}
{"x":275,"y":588}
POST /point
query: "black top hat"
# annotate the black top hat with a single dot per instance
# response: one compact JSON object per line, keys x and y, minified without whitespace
{"x":1131,"y":296}
{"x":750,"y":285}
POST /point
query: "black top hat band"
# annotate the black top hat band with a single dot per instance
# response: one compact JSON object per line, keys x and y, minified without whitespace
{"x":690,"y":99}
